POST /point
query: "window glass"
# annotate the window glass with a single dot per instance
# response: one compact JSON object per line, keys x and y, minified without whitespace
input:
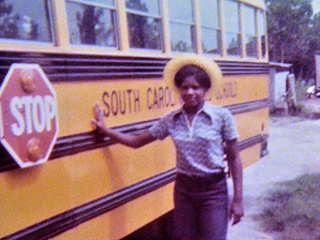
{"x":181,"y":37}
{"x":210,"y":26}
{"x":181,"y":25}
{"x":249,"y":17}
{"x":232,"y":25}
{"x":211,"y":41}
{"x":209,"y":13}
{"x":144,"y":32}
{"x":232,"y":22}
{"x":251,"y":46}
{"x":181,"y":10}
{"x":249,"y":20}
{"x":92,"y":25}
{"x":233,"y":44}
{"x":26,"y":20}
{"x":144,"y":23}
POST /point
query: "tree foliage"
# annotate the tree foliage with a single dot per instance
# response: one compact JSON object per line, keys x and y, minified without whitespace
{"x":294,"y":34}
{"x":15,"y":26}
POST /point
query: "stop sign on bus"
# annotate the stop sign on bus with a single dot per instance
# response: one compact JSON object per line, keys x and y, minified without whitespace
{"x":28,"y":112}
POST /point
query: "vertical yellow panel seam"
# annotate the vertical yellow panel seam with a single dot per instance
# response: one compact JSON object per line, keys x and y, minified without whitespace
{"x":266,"y":34}
{"x":222,"y":28}
{"x":61,"y":26}
{"x":122,"y":25}
{"x":242,"y":32}
{"x":166,"y":27}
{"x":197,"y":26}
{"x":258,"y":32}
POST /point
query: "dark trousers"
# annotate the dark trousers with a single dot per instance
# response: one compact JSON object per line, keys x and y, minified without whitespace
{"x":201,"y":207}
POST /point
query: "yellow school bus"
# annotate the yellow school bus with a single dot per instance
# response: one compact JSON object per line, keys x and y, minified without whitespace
{"x":113,"y":52}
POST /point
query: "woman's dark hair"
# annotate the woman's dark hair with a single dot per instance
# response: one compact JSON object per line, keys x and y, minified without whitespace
{"x":192,"y":70}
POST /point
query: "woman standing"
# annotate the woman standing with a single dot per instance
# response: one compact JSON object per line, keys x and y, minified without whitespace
{"x":202,"y":134}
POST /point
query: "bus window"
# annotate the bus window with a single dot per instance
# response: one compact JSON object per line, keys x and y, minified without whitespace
{"x":31,"y":22}
{"x":210,"y":26}
{"x":262,"y":23}
{"x":92,"y":22}
{"x":181,"y":25}
{"x":250,"y":30}
{"x":144,"y":24}
{"x":232,"y":25}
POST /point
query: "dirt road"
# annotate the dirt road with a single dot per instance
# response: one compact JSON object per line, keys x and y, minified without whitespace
{"x":294,"y":150}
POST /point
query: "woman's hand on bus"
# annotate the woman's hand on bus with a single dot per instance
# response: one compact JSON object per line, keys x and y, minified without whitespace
{"x":130,"y":140}
{"x":236,"y":211}
{"x":98,"y":122}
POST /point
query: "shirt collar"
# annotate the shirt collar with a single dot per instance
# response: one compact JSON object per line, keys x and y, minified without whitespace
{"x":206,"y":108}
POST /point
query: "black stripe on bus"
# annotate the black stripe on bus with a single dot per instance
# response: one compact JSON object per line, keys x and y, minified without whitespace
{"x":65,"y":221}
{"x":82,"y":142}
{"x":71,"y":67}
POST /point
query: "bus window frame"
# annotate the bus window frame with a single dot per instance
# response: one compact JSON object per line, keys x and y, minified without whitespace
{"x":122,"y":39}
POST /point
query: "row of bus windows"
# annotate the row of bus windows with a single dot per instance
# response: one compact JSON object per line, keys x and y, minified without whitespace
{"x":94,"y":22}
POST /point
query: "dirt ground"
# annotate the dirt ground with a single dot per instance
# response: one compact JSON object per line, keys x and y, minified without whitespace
{"x":294,"y":150}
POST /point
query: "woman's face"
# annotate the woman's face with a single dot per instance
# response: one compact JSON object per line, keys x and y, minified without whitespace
{"x":191,"y":92}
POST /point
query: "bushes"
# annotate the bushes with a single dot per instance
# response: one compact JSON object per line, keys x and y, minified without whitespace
{"x":292,"y":212}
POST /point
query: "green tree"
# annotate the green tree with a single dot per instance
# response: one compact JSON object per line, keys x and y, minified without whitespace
{"x":86,"y":24}
{"x":316,"y":32}
{"x":8,"y":21}
{"x":11,"y":24}
{"x":291,"y":35}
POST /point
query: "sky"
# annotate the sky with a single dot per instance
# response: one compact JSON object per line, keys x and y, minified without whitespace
{"x":316,"y":6}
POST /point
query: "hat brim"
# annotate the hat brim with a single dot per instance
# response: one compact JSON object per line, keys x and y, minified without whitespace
{"x":209,"y":66}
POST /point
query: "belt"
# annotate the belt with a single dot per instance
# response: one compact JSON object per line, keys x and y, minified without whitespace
{"x":201,"y":180}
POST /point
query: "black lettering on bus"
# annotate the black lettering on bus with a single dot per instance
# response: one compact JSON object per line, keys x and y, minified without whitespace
{"x":136,"y":99}
{"x":122,"y":101}
{"x":105,"y":100}
{"x":167,"y":96}
{"x":228,"y":90}
{"x":173,"y":98}
{"x":235,"y":90}
{"x":155,"y":98}
{"x":149,"y":100}
{"x":114,"y":103}
{"x":149,"y":105}
{"x":129,"y":91}
{"x":160,"y":97}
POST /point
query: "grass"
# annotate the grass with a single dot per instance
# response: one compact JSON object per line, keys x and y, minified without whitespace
{"x":292,"y":211}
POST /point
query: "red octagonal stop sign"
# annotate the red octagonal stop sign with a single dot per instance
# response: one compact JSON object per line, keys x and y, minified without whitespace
{"x":28,"y":112}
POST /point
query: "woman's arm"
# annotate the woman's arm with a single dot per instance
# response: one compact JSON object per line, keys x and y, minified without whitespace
{"x":234,"y":162}
{"x":134,"y":141}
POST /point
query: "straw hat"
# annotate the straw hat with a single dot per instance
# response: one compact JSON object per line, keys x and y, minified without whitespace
{"x":209,"y":66}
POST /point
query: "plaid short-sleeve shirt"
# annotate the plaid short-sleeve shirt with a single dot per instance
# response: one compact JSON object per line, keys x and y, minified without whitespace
{"x":199,"y":147}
